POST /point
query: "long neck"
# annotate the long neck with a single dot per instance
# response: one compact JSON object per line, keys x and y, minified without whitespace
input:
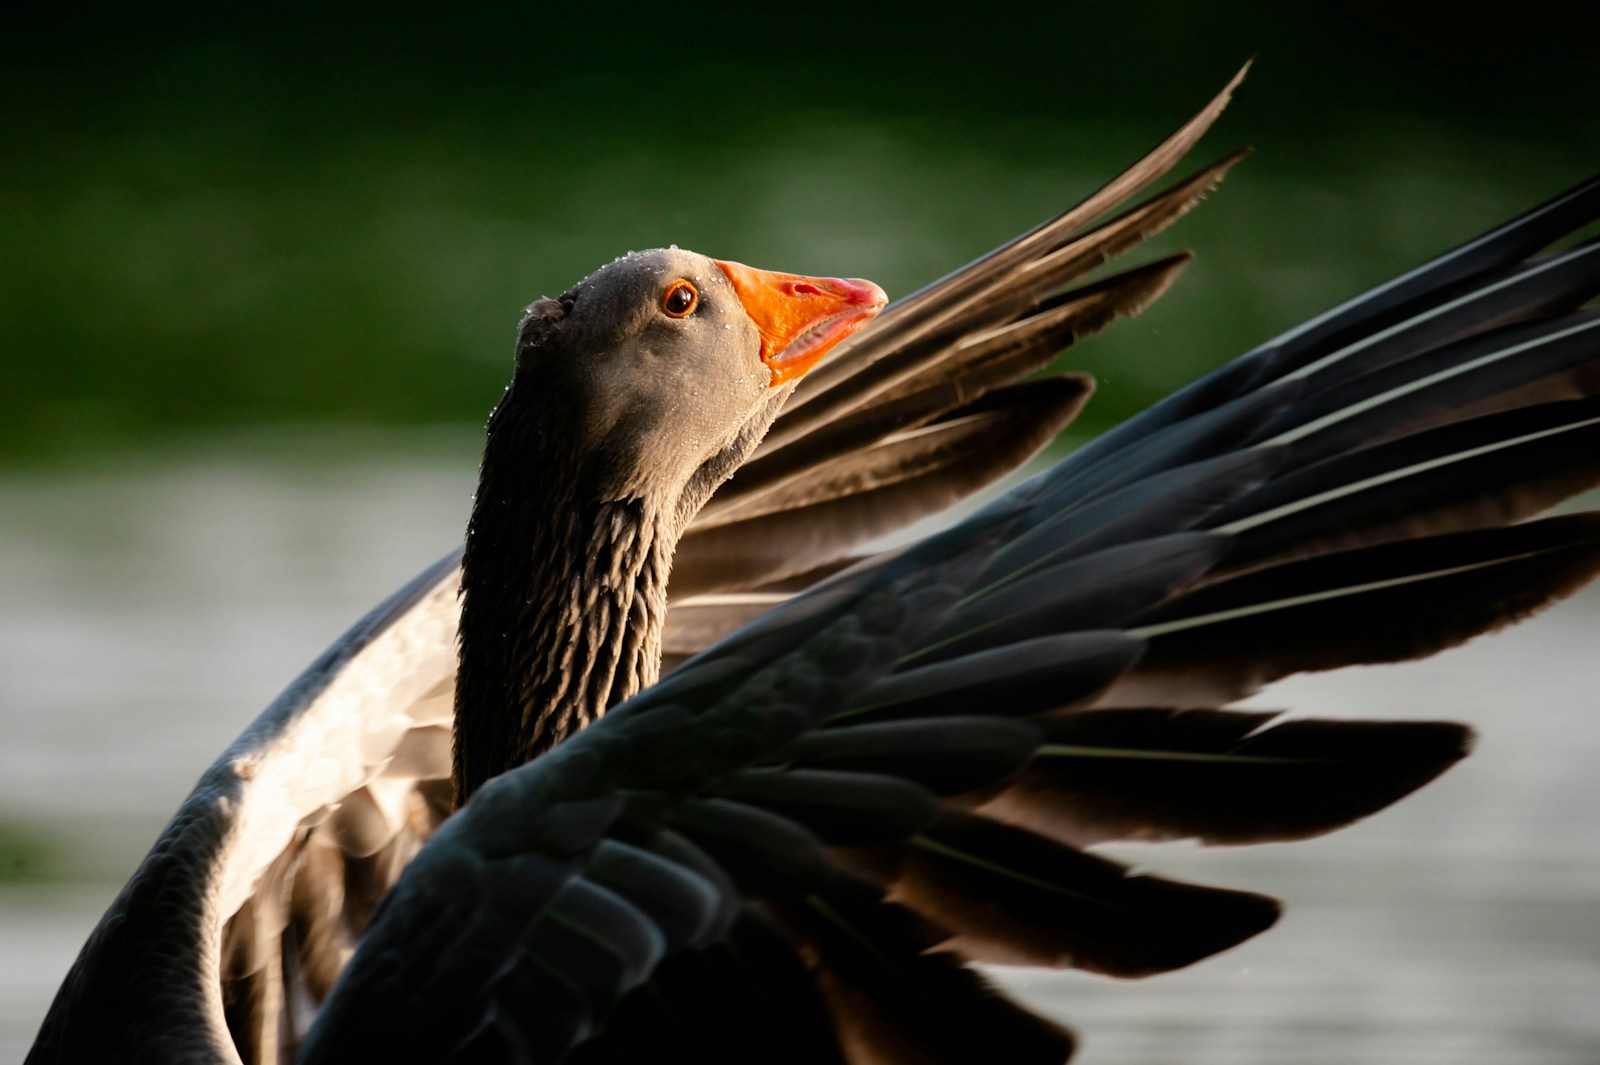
{"x":563,"y":598}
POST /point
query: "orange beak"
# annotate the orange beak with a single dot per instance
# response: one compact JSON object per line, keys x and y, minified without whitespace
{"x":801,"y":318}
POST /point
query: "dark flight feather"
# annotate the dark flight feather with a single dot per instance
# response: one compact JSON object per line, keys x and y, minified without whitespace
{"x":1015,"y":897}
{"x":1218,"y":776}
{"x":895,"y":998}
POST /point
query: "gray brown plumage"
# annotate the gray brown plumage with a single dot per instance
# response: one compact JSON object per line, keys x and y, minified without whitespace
{"x":864,"y":773}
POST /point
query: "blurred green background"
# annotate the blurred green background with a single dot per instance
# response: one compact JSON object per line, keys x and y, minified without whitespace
{"x":280,"y":214}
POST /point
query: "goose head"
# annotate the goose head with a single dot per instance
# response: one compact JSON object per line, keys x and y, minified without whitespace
{"x":636,"y":393}
{"x":667,"y":366}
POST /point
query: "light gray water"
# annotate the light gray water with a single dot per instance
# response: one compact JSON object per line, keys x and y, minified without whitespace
{"x":149,"y":608}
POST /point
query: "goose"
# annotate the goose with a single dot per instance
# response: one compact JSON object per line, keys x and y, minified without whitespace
{"x":694,"y":772}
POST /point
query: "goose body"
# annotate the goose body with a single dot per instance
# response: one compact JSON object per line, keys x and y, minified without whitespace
{"x":859,"y":774}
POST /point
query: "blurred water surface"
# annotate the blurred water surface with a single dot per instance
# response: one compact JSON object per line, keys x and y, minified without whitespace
{"x":154,"y":605}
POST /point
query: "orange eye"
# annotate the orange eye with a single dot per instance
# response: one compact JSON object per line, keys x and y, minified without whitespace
{"x":680,"y":299}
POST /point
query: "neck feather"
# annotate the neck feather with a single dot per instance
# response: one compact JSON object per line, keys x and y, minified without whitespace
{"x":564,"y":581}
{"x":564,"y":593}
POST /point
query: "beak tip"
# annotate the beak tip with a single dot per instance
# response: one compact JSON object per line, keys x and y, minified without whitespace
{"x":871,"y":294}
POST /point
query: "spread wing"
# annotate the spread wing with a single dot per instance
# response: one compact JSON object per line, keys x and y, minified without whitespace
{"x":800,"y":840}
{"x":796,"y":844}
{"x":1231,"y":534}
{"x":292,"y":839}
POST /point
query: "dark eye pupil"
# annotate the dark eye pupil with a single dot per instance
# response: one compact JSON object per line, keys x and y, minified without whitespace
{"x":678,"y":299}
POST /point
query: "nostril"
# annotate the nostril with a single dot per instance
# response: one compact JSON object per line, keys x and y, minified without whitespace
{"x":803,"y":289}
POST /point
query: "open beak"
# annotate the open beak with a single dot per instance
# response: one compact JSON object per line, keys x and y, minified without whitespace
{"x":801,"y":318}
